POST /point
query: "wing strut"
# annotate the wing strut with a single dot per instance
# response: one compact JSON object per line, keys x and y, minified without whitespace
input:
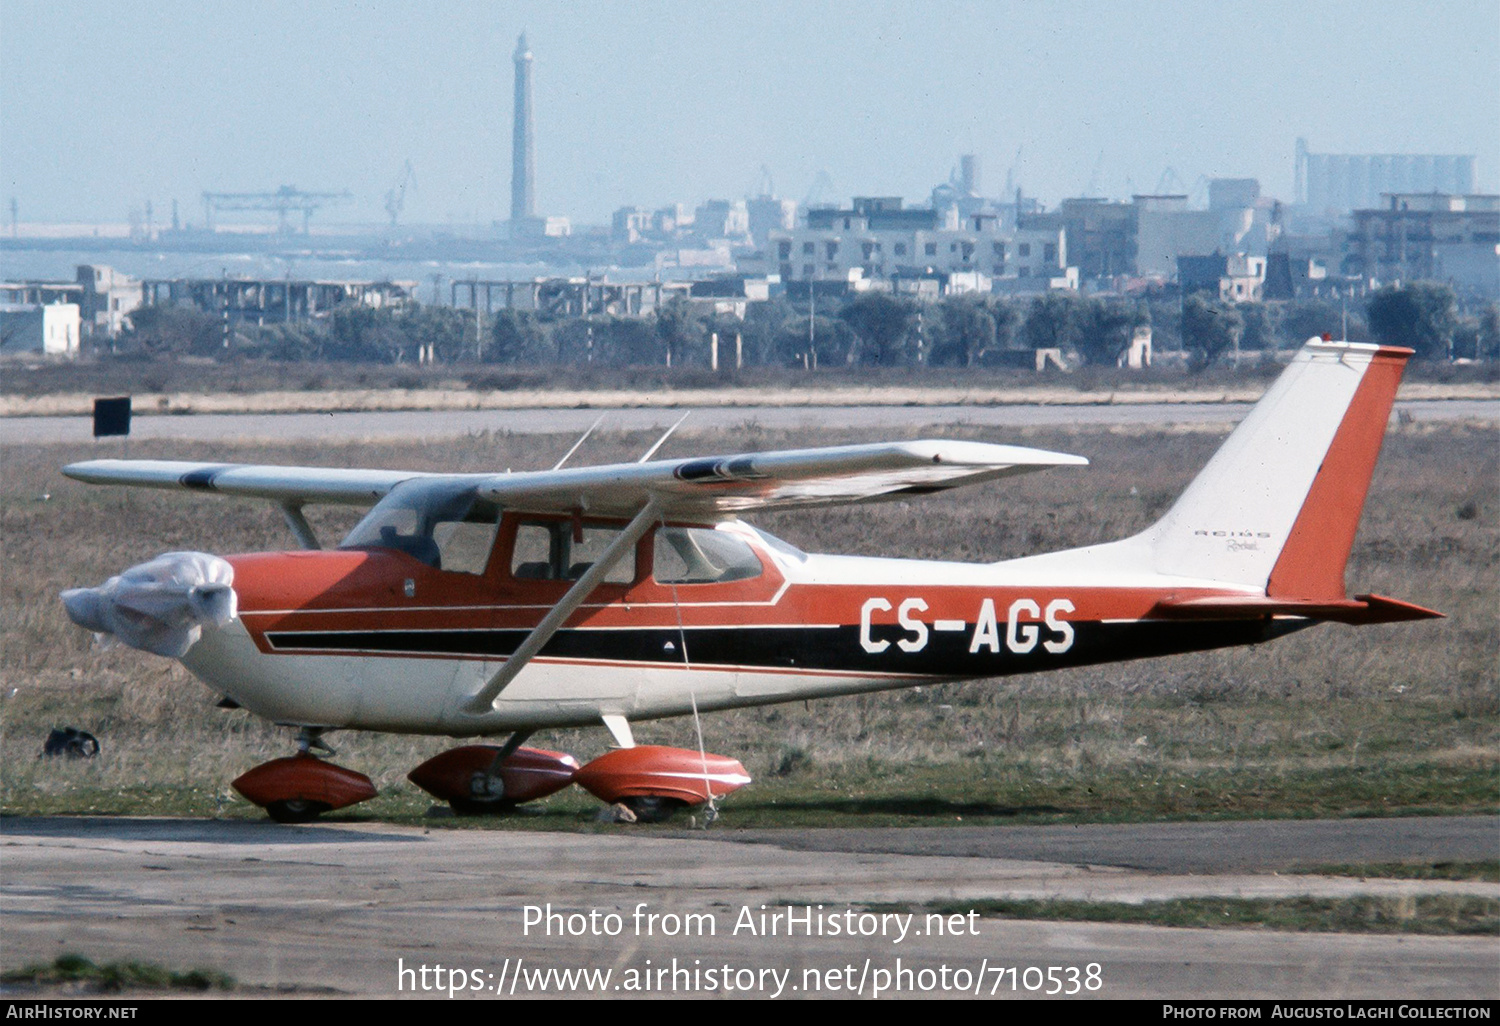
{"x":484,"y":699}
{"x":291,"y":512}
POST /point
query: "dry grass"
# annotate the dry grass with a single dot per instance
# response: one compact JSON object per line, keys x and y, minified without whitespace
{"x":1332,"y":720}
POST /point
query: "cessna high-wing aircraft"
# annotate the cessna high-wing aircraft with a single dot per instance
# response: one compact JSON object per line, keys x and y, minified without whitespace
{"x":503,"y":604}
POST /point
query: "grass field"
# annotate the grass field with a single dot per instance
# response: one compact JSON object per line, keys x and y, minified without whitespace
{"x":1335,"y":721}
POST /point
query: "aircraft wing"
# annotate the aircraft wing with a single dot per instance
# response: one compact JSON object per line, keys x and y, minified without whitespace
{"x":717,"y":485}
{"x":771,"y":480}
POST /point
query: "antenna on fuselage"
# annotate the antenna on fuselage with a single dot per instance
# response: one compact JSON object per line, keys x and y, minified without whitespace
{"x":665,"y":435}
{"x":583,"y":438}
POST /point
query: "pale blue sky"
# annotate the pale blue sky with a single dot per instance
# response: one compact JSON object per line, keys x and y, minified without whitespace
{"x":104,"y":105}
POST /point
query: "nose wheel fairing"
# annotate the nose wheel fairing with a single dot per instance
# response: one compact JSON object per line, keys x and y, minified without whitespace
{"x":302,"y":787}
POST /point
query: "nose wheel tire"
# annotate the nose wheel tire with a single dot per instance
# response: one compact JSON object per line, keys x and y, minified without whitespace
{"x":296,"y":810}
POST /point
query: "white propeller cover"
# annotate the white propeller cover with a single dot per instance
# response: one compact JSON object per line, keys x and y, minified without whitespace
{"x":160,"y":606}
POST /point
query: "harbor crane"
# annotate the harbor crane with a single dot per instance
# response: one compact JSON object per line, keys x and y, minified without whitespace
{"x":284,"y":201}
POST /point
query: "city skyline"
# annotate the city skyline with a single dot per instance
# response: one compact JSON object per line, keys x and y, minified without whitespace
{"x":103,"y":110}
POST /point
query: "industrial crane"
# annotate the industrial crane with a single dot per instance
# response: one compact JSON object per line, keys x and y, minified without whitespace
{"x":283,"y":201}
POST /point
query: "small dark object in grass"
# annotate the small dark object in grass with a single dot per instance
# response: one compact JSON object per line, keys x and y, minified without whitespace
{"x":71,"y":742}
{"x":1468,"y":511}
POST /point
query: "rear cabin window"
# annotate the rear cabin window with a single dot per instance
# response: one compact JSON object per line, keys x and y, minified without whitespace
{"x":546,"y":550}
{"x":699,"y":555}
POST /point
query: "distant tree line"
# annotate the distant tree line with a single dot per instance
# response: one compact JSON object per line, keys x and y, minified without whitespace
{"x":873,"y":329}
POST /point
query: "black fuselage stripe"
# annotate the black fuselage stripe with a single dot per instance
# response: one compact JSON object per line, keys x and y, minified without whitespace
{"x":834,"y":649}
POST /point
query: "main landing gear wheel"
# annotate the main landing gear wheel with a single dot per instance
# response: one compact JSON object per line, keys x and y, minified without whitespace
{"x":296,"y":810}
{"x":481,"y":806}
{"x":652,"y":808}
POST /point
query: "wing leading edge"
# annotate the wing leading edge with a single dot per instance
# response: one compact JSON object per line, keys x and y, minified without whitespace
{"x":294,"y":485}
{"x":718,"y":485}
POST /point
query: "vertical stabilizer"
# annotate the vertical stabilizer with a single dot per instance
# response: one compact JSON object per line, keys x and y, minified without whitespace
{"x":1278,"y":505}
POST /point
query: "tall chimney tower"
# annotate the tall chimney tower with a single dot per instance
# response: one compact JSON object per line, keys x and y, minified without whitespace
{"x":522,"y":156}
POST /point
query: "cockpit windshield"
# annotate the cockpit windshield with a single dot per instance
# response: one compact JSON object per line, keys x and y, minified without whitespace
{"x":441,"y":522}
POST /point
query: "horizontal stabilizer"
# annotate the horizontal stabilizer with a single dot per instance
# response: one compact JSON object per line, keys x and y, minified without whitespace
{"x":1362,"y":609}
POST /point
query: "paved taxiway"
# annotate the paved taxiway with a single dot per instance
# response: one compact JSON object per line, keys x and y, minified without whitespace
{"x":418,"y":425}
{"x":333,"y":907}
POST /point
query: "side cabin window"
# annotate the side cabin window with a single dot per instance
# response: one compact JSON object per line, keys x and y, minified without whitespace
{"x":444,"y":524}
{"x":700,"y":555}
{"x":550,"y":550}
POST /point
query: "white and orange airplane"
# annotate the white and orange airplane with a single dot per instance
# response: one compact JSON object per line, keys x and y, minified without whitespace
{"x":503,"y":604}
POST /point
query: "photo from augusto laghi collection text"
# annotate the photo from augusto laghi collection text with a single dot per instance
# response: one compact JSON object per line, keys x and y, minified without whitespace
{"x":1323,"y":1010}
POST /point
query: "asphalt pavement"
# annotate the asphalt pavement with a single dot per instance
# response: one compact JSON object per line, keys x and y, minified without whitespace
{"x":361,"y":908}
